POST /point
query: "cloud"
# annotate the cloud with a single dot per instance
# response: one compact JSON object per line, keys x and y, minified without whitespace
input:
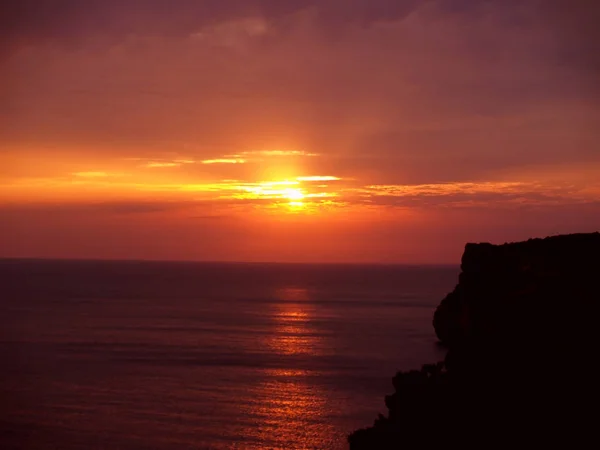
{"x":576,"y":31}
{"x":491,"y":195}
{"x":480,"y":148}
{"x":157,"y":164}
{"x":571,"y":26}
{"x":319,"y":178}
{"x":38,"y":20}
{"x":210,"y":217}
{"x":165,"y":164}
{"x":250,"y":156}
{"x":91,"y":174}
{"x":60,"y":18}
{"x":123,"y":207}
{"x":279,"y":153}
{"x":224,"y":161}
{"x":107,"y":207}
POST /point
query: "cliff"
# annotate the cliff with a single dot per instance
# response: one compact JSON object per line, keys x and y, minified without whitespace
{"x":518,"y":326}
{"x":513,"y":291}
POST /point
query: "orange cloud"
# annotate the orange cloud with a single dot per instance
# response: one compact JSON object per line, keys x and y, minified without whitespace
{"x":224,"y":161}
{"x":154,"y":164}
{"x":280,"y":153}
{"x":91,"y":174}
{"x":318,"y":178}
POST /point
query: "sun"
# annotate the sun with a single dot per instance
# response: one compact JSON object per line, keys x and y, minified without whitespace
{"x":293,"y":195}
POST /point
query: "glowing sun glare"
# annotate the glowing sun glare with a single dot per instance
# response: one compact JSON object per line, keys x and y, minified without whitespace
{"x":293,"y":195}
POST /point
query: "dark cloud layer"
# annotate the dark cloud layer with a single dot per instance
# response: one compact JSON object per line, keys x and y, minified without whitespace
{"x":27,"y":20}
{"x":570,"y":25}
{"x":33,"y":20}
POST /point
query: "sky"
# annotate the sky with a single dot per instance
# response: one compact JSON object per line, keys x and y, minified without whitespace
{"x":298,"y":130}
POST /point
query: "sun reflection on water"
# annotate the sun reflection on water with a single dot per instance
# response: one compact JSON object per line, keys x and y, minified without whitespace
{"x":288,"y":412}
{"x":290,"y":408}
{"x":293,"y":332}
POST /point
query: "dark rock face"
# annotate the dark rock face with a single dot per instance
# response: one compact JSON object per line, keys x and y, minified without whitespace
{"x":522,"y":292}
{"x":517,"y":326}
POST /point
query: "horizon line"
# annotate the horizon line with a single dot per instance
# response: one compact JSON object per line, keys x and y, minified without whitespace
{"x":199,"y":261}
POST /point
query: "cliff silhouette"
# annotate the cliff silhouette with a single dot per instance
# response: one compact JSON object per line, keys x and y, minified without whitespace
{"x":521,"y":333}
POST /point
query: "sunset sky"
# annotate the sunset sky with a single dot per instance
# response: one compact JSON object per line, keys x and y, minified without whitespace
{"x":295,"y":130}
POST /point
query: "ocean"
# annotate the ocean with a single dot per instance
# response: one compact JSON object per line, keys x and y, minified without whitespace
{"x":152,"y":355}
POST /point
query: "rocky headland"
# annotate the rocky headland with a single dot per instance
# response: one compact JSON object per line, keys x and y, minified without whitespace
{"x":521,"y":333}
